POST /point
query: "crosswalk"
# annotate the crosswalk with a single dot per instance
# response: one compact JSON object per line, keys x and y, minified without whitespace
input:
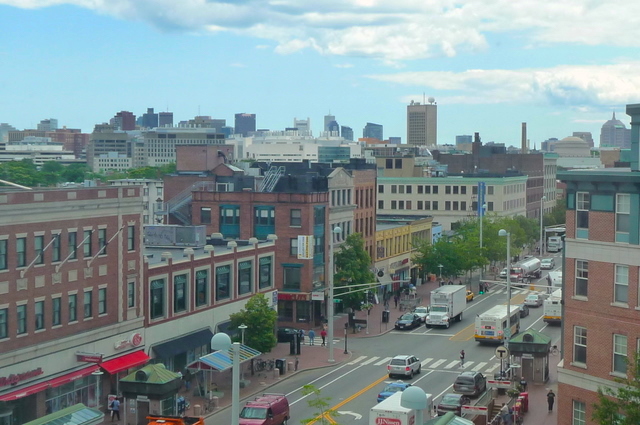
{"x":432,"y":364}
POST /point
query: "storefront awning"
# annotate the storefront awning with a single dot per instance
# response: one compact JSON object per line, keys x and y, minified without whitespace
{"x":223,"y":360}
{"x":125,"y":362}
{"x":184,"y":343}
{"x":78,"y":414}
{"x":52,"y":383}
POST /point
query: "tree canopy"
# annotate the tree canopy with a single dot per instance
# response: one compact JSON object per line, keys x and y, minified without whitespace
{"x":260,"y":320}
{"x":353,"y":267}
{"x":620,"y":406}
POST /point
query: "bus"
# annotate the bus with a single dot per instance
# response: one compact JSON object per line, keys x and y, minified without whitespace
{"x":554,"y":282}
{"x":492,"y":324}
{"x":552,"y":308}
{"x":554,"y":244}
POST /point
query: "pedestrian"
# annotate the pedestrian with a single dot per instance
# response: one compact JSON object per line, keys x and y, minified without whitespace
{"x":450,"y":282}
{"x":115,"y":409}
{"x":551,"y":398}
{"x":395,"y":300}
{"x":504,"y":413}
{"x":312,"y":336}
{"x":461,"y":358}
{"x":323,"y":335}
{"x":523,"y":384}
{"x":301,"y":336}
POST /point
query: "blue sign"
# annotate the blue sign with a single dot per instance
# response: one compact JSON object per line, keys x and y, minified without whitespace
{"x":481,"y":194}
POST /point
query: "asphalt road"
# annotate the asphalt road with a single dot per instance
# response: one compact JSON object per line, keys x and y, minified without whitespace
{"x":352,"y":387}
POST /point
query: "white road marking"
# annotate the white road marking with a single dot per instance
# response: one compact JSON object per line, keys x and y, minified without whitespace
{"x":383,"y":361}
{"x":452,"y":364}
{"x":437,"y":363}
{"x":357,"y":360}
{"x":479,"y":366}
{"x":425,"y":361}
{"x":371,"y":360}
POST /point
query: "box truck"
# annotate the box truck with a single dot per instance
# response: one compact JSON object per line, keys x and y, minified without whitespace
{"x":446,"y":306}
{"x":390,"y":412}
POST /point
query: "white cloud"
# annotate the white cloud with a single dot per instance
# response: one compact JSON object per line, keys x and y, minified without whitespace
{"x":343,"y":65}
{"x":390,"y":31}
{"x":574,"y":86}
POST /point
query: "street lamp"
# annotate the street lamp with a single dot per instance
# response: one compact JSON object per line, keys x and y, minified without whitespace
{"x":242,"y":327}
{"x":335,"y":231}
{"x":507,"y":333}
{"x":222,"y":342}
{"x":440,"y":266}
{"x":544,"y":198}
{"x":481,"y":220}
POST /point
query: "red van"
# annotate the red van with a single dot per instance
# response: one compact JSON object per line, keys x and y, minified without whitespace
{"x":268,"y":409}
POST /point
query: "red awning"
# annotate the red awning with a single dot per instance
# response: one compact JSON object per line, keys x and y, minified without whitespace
{"x":36,"y":388}
{"x":52,"y":383}
{"x":127,"y":361}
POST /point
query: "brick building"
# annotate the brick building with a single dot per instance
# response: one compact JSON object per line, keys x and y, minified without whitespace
{"x":602,"y":270}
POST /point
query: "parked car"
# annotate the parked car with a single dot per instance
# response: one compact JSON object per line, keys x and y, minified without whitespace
{"x":547,"y":263}
{"x":421,"y":312}
{"x":534,"y":300}
{"x":392,"y":388}
{"x":524,"y":310}
{"x":408,"y":321}
{"x":452,"y":403}
{"x":286,"y":334}
{"x":503,"y":273}
{"x":404,"y":365}
{"x":470,"y":295}
{"x":470,"y":383}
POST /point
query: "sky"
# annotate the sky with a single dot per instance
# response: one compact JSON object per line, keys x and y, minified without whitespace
{"x":490,"y":65}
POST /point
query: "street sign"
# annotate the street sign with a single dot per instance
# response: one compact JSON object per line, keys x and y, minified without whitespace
{"x":507,"y":333}
{"x":502,"y":352}
{"x":475,"y":410}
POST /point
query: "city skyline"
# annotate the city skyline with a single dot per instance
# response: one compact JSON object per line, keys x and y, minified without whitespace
{"x":490,"y":67}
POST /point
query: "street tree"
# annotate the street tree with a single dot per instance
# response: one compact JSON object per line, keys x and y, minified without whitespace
{"x":353,"y":267}
{"x":260,"y":320}
{"x":620,"y":405}
{"x":558,"y":214}
{"x":322,"y":415}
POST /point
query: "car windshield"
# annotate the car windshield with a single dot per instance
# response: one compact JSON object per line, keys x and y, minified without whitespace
{"x":547,"y":260}
{"x":464,"y":380}
{"x":451,"y":399}
{"x":393,"y":388}
{"x":532,"y":297}
{"x":253,"y":413}
{"x":398,"y":362}
{"x":408,"y":316}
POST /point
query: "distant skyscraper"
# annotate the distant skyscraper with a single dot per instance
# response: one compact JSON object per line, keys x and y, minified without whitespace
{"x":422,"y":123}
{"x":373,"y":131}
{"x":464,"y":139}
{"x":245,"y":124}
{"x":165,"y":119}
{"x":395,"y":140}
{"x":48,"y":125}
{"x":346,"y":132}
{"x":124,"y":120}
{"x":303,"y":126}
{"x":150,"y":119}
{"x":328,"y":119}
{"x":333,"y":129}
{"x":615,"y":134}
{"x":586,"y":136}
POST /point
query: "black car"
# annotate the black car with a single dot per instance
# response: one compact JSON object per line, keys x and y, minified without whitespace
{"x":524,"y":310}
{"x":452,"y":403}
{"x":408,"y":321}
{"x":286,"y":334}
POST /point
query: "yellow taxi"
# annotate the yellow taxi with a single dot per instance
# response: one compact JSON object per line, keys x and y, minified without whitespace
{"x":470,"y":295}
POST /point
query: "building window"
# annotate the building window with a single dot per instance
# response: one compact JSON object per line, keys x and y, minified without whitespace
{"x":157,"y":298}
{"x":88,"y":312}
{"x":55,"y":248}
{"x":102,"y":241}
{"x":621,"y":284}
{"x":293,"y":246}
{"x":400,"y":205}
{"x":447,"y":190}
{"x":230,"y":221}
{"x":39,"y":315}
{"x":463,"y":205}
{"x":394,"y":188}
{"x":427,"y":189}
{"x":388,"y":164}
{"x":434,"y":205}
{"x":223,"y":282}
{"x":620,"y":354}
{"x":318,"y":215}
{"x":623,"y":210}
{"x":73,"y":307}
{"x":3,"y":255}
{"x":4,"y":323}
{"x":582,"y":210}
{"x":265,"y":273}
{"x":394,"y":205}
{"x":38,"y":249}
{"x":582,"y":277}
{"x":73,"y":245}
{"x":463,"y":190}
{"x":580,"y":344}
{"x":131,"y":294}
{"x":292,"y":278}
{"x":447,"y":205}
{"x":245,"y":270}
{"x":102,"y":301}
{"x":205,"y":215}
{"x":56,"y":313}
{"x":179,"y":293}
{"x":456,"y":190}
{"x":490,"y":206}
{"x":22,"y":319}
{"x":295,"y":218}
{"x":489,"y":190}
{"x":579,"y":413}
{"x":131,"y":238}
{"x":202,"y":282}
{"x":420,"y":205}
{"x":21,"y":251}
{"x":86,"y":243}
{"x":380,"y":205}
{"x":380,"y":188}
{"x":265,"y":216}
{"x":420,"y":189}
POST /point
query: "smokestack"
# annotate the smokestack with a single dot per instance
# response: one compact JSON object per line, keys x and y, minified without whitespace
{"x":634,"y":112}
{"x":524,"y":138}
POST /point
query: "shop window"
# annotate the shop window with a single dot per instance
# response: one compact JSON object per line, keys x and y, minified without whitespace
{"x":285,"y":310}
{"x":303,"y":311}
{"x":202,"y":283}
{"x":245,"y":271}
{"x":157,"y":299}
{"x":223,"y":282}
{"x":179,"y":293}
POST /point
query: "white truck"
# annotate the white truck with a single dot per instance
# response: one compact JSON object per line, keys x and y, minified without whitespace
{"x":390,"y":412}
{"x":552,"y":308}
{"x":554,"y":244}
{"x":526,"y":269}
{"x":447,"y":304}
{"x":554,"y":281}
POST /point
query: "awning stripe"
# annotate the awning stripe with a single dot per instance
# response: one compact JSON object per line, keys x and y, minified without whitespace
{"x":223,"y":360}
{"x":124,"y":362}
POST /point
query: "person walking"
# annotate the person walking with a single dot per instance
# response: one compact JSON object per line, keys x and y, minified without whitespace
{"x":551,"y":398}
{"x":323,"y":335}
{"x":523,"y":384}
{"x":115,"y":409}
{"x":301,"y":336}
{"x":312,"y":337}
{"x":395,"y":300}
{"x":461,"y":358}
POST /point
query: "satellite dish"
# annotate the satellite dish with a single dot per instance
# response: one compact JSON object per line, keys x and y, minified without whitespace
{"x":431,"y":100}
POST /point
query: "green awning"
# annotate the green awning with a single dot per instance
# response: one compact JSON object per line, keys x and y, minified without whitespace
{"x":78,"y":414}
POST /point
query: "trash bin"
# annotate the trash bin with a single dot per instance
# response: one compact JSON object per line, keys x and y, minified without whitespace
{"x":281,"y":364}
{"x":385,"y":316}
{"x":292,"y":348}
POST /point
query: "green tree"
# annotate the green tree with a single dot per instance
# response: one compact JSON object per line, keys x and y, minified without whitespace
{"x":323,"y":414}
{"x":51,"y":173}
{"x":260,"y":320}
{"x":74,"y":173}
{"x":23,"y":172}
{"x":558,"y":214}
{"x":620,"y":405}
{"x":353,"y":265}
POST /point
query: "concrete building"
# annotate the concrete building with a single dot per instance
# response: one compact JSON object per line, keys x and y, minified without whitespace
{"x":245,"y":124}
{"x":586,"y":136}
{"x":149,"y":119}
{"x":165,"y":119}
{"x":160,"y":144}
{"x":124,"y":120}
{"x":373,"y":131}
{"x":152,"y":197}
{"x":50,"y":124}
{"x":70,"y":296}
{"x":422,"y":123}
{"x":346,"y":132}
{"x":303,"y":126}
{"x":615,"y":134}
{"x":72,"y":139}
{"x":601,"y":293}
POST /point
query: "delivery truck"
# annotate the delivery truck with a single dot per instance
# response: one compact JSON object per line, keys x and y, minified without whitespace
{"x":552,"y":308}
{"x":447,"y":304}
{"x":390,"y":412}
{"x":526,"y":270}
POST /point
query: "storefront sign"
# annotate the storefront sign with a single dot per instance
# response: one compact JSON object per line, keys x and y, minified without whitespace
{"x":317,"y":296}
{"x":293,"y":297}
{"x":135,"y":340}
{"x":305,"y":247}
{"x":89,"y":357}
{"x":13,"y":379}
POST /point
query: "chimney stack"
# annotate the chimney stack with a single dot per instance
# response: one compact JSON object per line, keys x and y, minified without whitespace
{"x":524,"y":147}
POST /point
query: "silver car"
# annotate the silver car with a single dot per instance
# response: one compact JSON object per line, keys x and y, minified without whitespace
{"x":547,"y":263}
{"x":404,"y":366}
